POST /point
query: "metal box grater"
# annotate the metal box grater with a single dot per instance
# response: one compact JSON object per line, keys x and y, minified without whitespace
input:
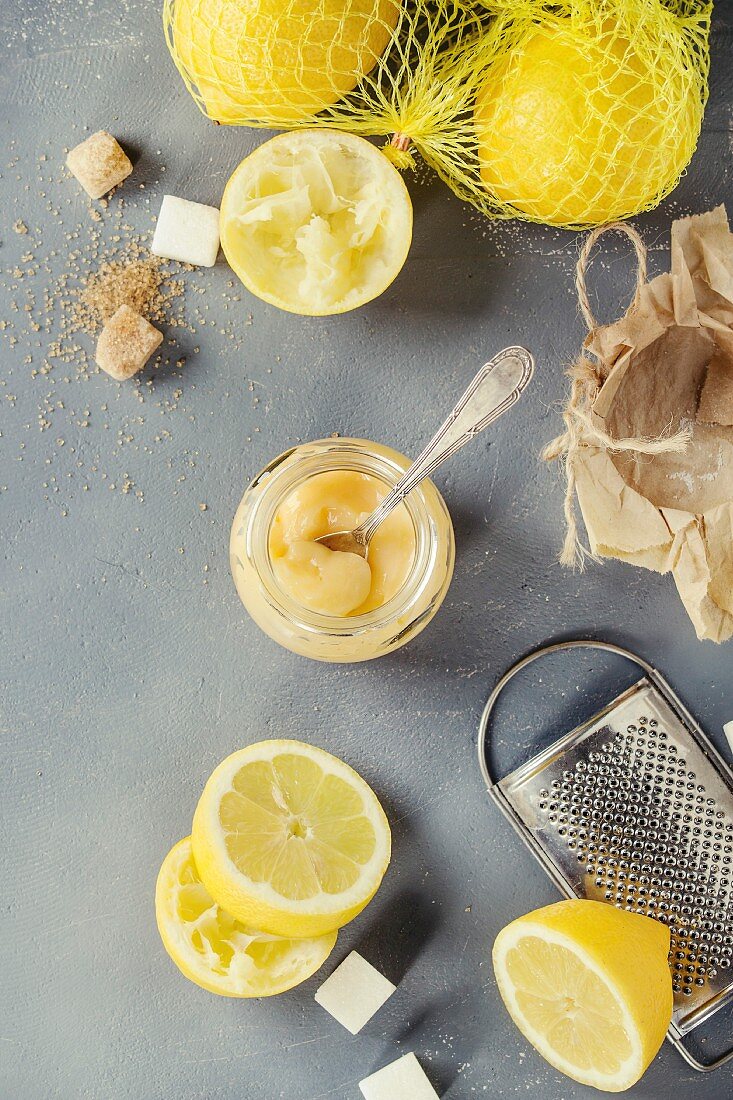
{"x":634,"y":807}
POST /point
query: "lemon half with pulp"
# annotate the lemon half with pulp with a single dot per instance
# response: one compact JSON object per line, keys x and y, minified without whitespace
{"x":289,"y":839}
{"x":590,"y":987}
{"x":218,"y":952}
{"x":316,"y":222}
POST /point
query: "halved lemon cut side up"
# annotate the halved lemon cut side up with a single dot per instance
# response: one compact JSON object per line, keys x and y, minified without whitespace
{"x":218,"y":952}
{"x":590,"y":987}
{"x":290,"y":839}
{"x":316,"y":222}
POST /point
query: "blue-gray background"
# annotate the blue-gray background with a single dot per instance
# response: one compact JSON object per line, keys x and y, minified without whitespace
{"x":129,"y":668}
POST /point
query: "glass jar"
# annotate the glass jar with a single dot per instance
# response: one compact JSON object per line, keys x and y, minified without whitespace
{"x":328,"y":637}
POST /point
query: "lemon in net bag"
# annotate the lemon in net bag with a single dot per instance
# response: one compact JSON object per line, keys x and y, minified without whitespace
{"x":595,"y":112}
{"x":275,"y":62}
{"x":570,"y":113}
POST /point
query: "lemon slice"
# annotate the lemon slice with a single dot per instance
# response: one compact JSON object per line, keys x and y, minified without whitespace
{"x":290,"y":839}
{"x":316,"y":222}
{"x":216,"y":951}
{"x":590,"y":987}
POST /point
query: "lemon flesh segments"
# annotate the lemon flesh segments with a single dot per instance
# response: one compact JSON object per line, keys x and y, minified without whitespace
{"x":290,"y":839}
{"x":589,"y":986}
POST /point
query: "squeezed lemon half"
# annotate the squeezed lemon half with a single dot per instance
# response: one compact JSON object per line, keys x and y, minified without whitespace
{"x":316,"y":222}
{"x":218,"y":952}
{"x":289,"y":839}
{"x":590,"y":987}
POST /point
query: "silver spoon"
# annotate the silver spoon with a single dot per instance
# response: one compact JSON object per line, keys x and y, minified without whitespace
{"x":497,"y":386}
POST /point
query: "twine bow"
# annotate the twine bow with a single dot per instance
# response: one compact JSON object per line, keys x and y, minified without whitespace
{"x":587,"y":374}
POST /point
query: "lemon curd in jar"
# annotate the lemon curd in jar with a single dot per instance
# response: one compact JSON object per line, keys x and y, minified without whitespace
{"x":329,"y":581}
{"x":326,"y":604}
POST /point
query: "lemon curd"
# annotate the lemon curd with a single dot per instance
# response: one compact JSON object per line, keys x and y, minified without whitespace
{"x":330,"y":581}
{"x":325,"y":604}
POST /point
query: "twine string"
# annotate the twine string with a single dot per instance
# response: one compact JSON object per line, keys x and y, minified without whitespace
{"x":584,"y":259}
{"x":587,"y":376}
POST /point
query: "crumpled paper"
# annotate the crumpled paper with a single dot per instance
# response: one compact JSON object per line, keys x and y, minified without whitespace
{"x":670,"y":364}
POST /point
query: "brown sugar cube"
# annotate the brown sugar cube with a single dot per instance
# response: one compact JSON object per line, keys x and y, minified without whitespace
{"x":126,"y":343}
{"x":99,"y":164}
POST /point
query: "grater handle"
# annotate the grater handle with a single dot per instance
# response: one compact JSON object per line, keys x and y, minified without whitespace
{"x":689,"y":1057}
{"x":534,"y":655}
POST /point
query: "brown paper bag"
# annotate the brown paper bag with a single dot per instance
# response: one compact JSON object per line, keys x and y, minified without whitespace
{"x":648,"y":444}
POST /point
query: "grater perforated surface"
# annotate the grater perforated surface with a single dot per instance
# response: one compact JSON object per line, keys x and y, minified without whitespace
{"x":628,"y":809}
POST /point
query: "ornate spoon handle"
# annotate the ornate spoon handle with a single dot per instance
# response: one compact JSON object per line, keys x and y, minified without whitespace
{"x":497,"y":386}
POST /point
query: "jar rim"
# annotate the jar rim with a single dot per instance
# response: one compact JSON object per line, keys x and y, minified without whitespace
{"x":281,"y":476}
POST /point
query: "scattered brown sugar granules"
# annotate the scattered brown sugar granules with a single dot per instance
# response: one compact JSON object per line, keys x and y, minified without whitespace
{"x":99,"y":278}
{"x":75,"y":432}
{"x":116,"y":283}
{"x":140,"y":283}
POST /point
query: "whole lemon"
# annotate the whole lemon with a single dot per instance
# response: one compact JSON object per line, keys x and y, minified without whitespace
{"x":265,"y":60}
{"x":578,"y":130}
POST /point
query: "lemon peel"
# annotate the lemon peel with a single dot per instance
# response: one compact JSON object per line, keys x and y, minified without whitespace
{"x":645,"y":65}
{"x":573,"y":131}
{"x":266,"y":62}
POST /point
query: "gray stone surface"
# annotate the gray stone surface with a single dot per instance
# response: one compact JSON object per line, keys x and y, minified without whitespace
{"x":129,"y":668}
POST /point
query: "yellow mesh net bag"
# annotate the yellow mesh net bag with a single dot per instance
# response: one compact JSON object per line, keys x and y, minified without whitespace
{"x":573,"y":113}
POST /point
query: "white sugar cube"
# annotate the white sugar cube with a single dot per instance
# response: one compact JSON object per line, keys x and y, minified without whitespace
{"x":187,"y":231}
{"x":728,"y":731}
{"x":401,"y":1080}
{"x":354,"y":992}
{"x":126,"y":343}
{"x":99,"y":164}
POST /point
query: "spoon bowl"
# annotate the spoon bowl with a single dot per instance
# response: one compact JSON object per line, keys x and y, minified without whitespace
{"x":345,"y":542}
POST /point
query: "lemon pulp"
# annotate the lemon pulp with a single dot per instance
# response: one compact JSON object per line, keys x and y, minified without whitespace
{"x":569,"y":1004}
{"x":290,"y":839}
{"x":263,"y":60}
{"x":590,"y":987}
{"x":316,"y":222}
{"x":218,"y":952}
{"x":576,"y":132}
